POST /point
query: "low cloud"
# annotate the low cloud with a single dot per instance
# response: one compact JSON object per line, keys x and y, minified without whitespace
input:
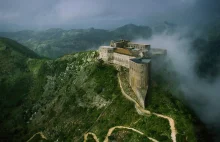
{"x":8,"y":16}
{"x":200,"y":94}
{"x":87,"y":13}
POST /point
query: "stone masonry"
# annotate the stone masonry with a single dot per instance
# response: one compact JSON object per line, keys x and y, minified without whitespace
{"x":135,"y":57}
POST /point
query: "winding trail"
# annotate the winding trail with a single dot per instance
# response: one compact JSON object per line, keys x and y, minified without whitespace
{"x":110,"y":131}
{"x":139,"y":109}
{"x":172,"y":125}
{"x":39,"y":133}
{"x":123,"y":127}
{"x":94,"y":137}
{"x":171,"y":121}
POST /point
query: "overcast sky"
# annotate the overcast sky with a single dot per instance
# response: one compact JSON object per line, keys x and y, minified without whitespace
{"x":98,"y":13}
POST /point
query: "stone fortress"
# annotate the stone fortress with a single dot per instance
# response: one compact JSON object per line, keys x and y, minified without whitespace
{"x":135,"y":57}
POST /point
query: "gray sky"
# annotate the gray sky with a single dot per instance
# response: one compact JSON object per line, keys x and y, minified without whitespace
{"x":94,"y":13}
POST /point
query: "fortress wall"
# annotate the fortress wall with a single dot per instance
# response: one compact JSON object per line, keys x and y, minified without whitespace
{"x":139,"y":75}
{"x":122,"y":60}
{"x":139,"y":68}
{"x":105,"y":53}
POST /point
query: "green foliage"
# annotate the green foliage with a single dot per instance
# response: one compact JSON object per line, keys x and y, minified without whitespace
{"x":11,"y":44}
{"x":122,"y":113}
{"x":161,"y":101}
{"x":15,"y":83}
{"x":14,"y":89}
{"x":107,"y":83}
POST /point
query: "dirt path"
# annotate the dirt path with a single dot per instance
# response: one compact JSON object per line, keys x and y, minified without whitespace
{"x":110,"y":131}
{"x":39,"y":133}
{"x":139,"y":109}
{"x":171,"y":121}
{"x":172,"y":125}
{"x":123,"y":127}
{"x":94,"y":137}
{"x":129,"y":98}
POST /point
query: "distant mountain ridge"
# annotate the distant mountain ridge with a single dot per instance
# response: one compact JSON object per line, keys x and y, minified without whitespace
{"x":56,"y":42}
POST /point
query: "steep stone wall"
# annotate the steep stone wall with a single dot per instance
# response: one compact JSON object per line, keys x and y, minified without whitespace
{"x":122,"y":60}
{"x":139,"y":68}
{"x":139,"y":75}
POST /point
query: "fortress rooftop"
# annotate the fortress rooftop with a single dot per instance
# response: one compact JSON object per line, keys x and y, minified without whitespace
{"x":123,"y":51}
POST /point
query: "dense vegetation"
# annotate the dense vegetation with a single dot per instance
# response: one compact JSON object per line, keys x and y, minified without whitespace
{"x":15,"y":76}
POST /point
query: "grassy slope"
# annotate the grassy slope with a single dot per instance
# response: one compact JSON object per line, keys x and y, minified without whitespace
{"x":75,"y":89}
{"x":162,"y":101}
{"x":14,"y":73}
{"x":63,"y":98}
{"x":15,"y":46}
{"x":15,"y":82}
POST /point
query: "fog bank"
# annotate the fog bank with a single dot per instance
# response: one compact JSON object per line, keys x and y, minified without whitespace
{"x":200,"y":94}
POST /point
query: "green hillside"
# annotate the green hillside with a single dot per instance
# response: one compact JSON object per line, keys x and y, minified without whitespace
{"x":62,"y":99}
{"x":56,"y":42}
{"x":8,"y":44}
{"x":15,"y":76}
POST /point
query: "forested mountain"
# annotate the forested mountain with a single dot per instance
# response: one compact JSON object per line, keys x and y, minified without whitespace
{"x":57,"y":42}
